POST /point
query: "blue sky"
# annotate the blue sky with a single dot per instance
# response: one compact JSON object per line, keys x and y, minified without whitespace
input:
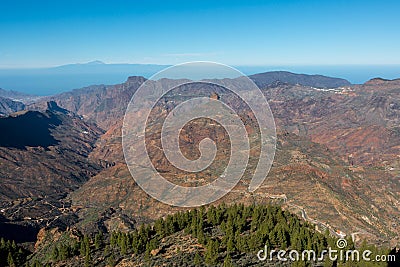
{"x":50,"y":33}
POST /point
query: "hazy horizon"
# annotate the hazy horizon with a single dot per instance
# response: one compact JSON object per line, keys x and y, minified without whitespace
{"x":58,"y":79}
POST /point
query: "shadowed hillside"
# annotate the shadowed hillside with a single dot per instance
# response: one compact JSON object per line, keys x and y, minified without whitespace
{"x":28,"y":129}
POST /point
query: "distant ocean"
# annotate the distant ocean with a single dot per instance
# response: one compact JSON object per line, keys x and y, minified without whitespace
{"x":49,"y":81}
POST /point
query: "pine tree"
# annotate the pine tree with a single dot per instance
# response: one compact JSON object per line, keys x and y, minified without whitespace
{"x":201,"y":236}
{"x":13,"y":245}
{"x":122,"y":243}
{"x":63,"y":252}
{"x":113,"y":239}
{"x":111,"y":261}
{"x":211,"y":256}
{"x":54,"y":253}
{"x":98,"y":240}
{"x":88,"y":258}
{"x":197,"y":259}
{"x":10,"y":260}
{"x":228,"y":261}
{"x":85,"y":245}
{"x":230,"y":245}
{"x":159,"y":227}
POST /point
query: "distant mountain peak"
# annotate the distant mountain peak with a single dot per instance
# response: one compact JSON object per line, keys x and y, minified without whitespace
{"x":95,"y":62}
{"x":320,"y":81}
{"x":382,"y":81}
{"x":133,"y":79}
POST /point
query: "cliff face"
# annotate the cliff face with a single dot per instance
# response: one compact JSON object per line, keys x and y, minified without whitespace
{"x":8,"y":106}
{"x":99,"y":104}
{"x":45,"y":153}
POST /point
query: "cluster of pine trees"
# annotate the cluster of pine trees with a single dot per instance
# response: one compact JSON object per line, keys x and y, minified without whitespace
{"x":11,"y":254}
{"x":226,"y":233}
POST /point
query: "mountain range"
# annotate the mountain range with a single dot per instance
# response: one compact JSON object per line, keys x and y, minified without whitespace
{"x":53,"y":80}
{"x":336,"y":166}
